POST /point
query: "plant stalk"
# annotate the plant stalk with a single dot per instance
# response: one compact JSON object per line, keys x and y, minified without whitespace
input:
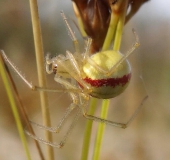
{"x":100,"y":132}
{"x":22,"y":110}
{"x":115,"y":29}
{"x":8,"y":87}
{"x":88,"y":130}
{"x":41,"y":74}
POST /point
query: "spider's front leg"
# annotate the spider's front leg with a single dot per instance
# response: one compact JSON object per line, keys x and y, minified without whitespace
{"x":29,"y":84}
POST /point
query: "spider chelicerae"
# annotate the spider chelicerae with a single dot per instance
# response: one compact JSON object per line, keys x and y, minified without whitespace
{"x":103,"y":75}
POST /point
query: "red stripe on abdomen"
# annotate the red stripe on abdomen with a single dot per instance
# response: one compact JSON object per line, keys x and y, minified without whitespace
{"x":112,"y":82}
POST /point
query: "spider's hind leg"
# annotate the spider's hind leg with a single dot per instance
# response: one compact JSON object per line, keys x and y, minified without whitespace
{"x":63,"y":141}
{"x":76,"y":102}
{"x":116,"y":124}
{"x":60,"y":124}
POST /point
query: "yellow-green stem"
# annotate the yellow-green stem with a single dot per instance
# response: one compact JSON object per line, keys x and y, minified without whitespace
{"x":41,"y":73}
{"x":119,"y":29}
{"x":22,"y":111}
{"x":13,"y":106}
{"x":115,"y":28}
{"x":111,"y":31}
{"x":88,"y":129}
{"x":100,"y":132}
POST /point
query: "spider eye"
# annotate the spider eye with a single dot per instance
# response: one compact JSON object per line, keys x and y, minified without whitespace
{"x":55,"y":69}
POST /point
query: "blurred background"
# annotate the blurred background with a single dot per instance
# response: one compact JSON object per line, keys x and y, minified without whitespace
{"x":147,"y":138}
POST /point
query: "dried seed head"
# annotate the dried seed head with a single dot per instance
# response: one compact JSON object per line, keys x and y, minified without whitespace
{"x":95,"y":16}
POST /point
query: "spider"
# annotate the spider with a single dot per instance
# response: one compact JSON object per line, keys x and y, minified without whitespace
{"x":103,"y":75}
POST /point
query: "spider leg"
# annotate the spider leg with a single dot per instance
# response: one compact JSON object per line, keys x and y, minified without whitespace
{"x":60,"y":124}
{"x":71,"y":33}
{"x":116,"y":124}
{"x":129,"y":52}
{"x":62,"y":143}
{"x":74,"y":71}
{"x":32,"y":86}
{"x":73,"y":62}
{"x":75,"y":102}
{"x":72,"y":106}
{"x":87,"y":51}
{"x":87,"y":58}
{"x":16,"y":70}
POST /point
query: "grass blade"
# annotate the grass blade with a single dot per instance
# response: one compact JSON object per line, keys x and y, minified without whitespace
{"x":7,"y":85}
{"x":88,"y":129}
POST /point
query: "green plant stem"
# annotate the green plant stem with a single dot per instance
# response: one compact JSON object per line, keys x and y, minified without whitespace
{"x":22,"y":111}
{"x":41,"y":74}
{"x":100,"y":132}
{"x":115,"y":28}
{"x":88,"y":129}
{"x":7,"y":85}
{"x":111,"y":31}
{"x":119,"y":29}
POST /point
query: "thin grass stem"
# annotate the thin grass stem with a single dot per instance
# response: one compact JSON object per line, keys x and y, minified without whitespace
{"x":7,"y":85}
{"x":119,"y":29}
{"x":22,"y":110}
{"x":115,"y":29}
{"x":100,"y":132}
{"x":110,"y":32}
{"x":41,"y":74}
{"x":88,"y":130}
